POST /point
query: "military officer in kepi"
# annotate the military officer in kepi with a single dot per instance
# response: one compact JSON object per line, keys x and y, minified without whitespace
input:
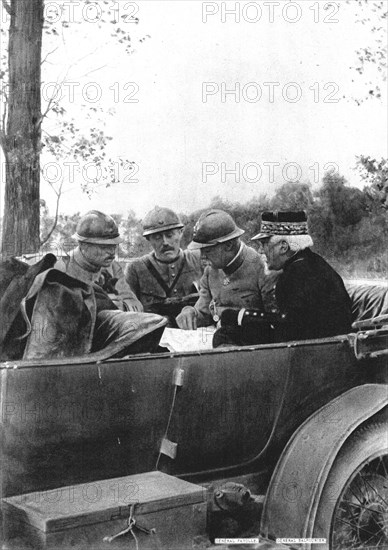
{"x":310,"y":294}
{"x":236,"y":278}
{"x":93,"y":260}
{"x":167,"y":279}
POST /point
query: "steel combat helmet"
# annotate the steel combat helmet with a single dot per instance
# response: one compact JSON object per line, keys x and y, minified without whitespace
{"x":160,"y":219}
{"x":97,"y":228}
{"x":214,"y":227}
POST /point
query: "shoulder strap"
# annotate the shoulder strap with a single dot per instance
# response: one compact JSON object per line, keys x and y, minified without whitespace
{"x":167,"y":289}
{"x":155,"y":273}
{"x":180,"y":271}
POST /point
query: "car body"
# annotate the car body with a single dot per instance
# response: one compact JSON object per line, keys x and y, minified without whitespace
{"x":220,"y":413}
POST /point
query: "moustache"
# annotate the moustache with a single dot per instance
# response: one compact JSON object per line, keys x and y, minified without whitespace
{"x":167,"y":249}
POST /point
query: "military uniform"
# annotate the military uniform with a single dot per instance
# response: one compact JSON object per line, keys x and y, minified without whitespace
{"x":310,"y":294}
{"x":167,"y":279}
{"x":78,"y":267}
{"x":236,"y":278}
{"x":244,"y":283}
{"x":153,"y":281}
{"x":312,"y":298}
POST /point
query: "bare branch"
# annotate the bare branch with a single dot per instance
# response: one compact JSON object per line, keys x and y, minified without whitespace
{"x":58,"y":193}
{"x":51,"y":100}
{"x":49,"y":53}
{"x":99,"y":47}
{"x":49,"y":106}
{"x":7,"y":7}
{"x":95,"y":70}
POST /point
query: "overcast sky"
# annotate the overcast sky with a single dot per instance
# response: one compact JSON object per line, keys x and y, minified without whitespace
{"x":183,"y":133}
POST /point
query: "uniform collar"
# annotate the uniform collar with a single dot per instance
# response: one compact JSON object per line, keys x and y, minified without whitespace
{"x":177,"y":259}
{"x":80,"y":259}
{"x":237,"y":260}
{"x":299,"y":256}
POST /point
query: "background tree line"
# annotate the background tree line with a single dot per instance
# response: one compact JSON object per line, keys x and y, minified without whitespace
{"x":349,"y":226}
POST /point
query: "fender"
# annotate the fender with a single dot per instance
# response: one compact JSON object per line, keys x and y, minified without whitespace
{"x":297,"y":482}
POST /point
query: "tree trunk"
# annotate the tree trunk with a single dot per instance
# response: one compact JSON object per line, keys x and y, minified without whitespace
{"x":22,"y":141}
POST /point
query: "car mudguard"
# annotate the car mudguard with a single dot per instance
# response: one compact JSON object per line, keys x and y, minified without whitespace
{"x":297,"y":482}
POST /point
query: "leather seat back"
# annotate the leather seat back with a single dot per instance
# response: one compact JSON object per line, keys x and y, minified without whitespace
{"x":368,"y":300}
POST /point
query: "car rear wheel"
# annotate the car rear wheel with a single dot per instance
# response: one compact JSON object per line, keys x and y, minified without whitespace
{"x":353,"y":509}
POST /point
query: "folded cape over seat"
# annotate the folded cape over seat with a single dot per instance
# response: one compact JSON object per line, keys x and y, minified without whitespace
{"x":60,"y":315}
{"x":16,"y":279}
{"x":46,"y":314}
{"x":120,"y":333}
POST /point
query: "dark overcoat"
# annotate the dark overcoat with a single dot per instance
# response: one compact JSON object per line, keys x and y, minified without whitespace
{"x":312,"y":299}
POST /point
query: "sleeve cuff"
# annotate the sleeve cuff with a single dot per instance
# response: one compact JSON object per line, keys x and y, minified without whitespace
{"x":240,"y":316}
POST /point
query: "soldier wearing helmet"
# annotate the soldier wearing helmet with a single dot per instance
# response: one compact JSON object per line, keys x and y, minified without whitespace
{"x":93,"y":259}
{"x":165,"y":280}
{"x":235,"y":279}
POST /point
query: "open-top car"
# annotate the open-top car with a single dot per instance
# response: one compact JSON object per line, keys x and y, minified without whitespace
{"x":302,"y":423}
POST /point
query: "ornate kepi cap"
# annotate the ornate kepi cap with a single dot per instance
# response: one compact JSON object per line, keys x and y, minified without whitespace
{"x":282,"y":223}
{"x":214,"y":227}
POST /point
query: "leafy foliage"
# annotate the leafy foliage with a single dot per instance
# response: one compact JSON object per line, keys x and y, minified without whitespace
{"x":62,"y":137}
{"x":348,"y":226}
{"x":375,"y":174}
{"x":372,"y":59}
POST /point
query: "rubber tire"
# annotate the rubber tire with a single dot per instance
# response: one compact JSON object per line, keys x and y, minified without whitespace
{"x":364,"y":445}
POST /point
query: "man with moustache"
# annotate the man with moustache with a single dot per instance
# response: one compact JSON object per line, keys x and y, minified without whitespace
{"x":166,"y":279}
{"x":236,"y":278}
{"x":93,"y":260}
{"x":310,"y":294}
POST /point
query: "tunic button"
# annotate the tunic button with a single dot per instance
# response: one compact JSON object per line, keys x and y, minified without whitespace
{"x":172,"y":267}
{"x":175,"y":290}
